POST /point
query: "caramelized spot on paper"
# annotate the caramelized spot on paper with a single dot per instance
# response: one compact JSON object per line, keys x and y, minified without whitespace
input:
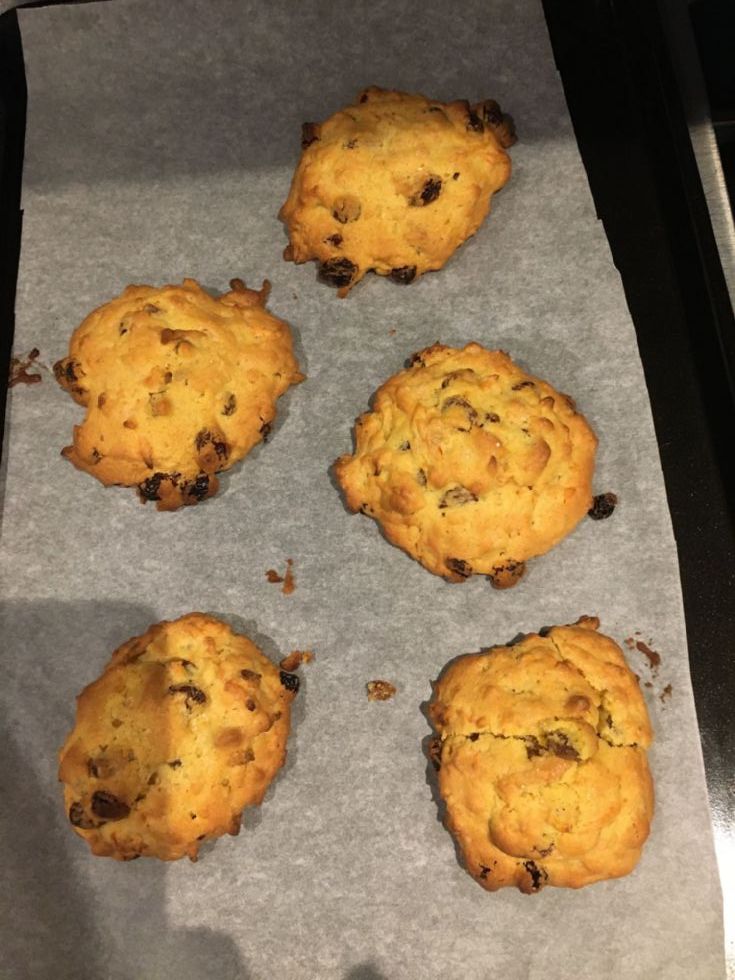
{"x":273,"y":576}
{"x":654,"y":659}
{"x":19,"y":368}
{"x":665,"y":694}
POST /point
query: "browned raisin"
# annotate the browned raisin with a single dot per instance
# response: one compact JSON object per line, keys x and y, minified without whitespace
{"x":290,"y":681}
{"x":538,"y":875}
{"x":337,"y":272}
{"x":456,"y":497}
{"x":558,"y":744}
{"x":523,"y":384}
{"x":108,"y":807}
{"x":230,"y":405}
{"x":429,"y":192}
{"x":602,"y":506}
{"x":198,"y":488}
{"x":192,"y":694}
{"x":334,"y":239}
{"x":78,"y":818}
{"x":404,"y":274}
{"x":250,"y":675}
{"x":459,"y":566}
{"x":265,"y":430}
{"x":309,"y":134}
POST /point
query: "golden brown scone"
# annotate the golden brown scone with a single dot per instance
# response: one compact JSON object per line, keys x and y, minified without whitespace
{"x":469,"y":464}
{"x":177,"y":385}
{"x":186,"y":726}
{"x":394,"y":184}
{"x":542,"y":760}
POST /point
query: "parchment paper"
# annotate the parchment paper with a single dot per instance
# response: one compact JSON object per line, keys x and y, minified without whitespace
{"x":161,"y":140}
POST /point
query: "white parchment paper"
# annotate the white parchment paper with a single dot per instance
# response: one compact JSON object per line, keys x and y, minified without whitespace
{"x":161,"y":140}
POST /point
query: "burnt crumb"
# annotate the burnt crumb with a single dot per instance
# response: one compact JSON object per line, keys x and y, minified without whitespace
{"x":78,"y":818}
{"x":20,"y":367}
{"x":435,"y":753}
{"x":491,"y":417}
{"x":250,"y":675}
{"x":484,"y":872}
{"x":558,"y":744}
{"x":428,"y":193}
{"x":108,"y":807}
{"x":523,"y":384}
{"x":602,"y":506}
{"x":204,"y":437}
{"x":459,"y":566}
{"x":230,"y":405}
{"x":290,"y":681}
{"x":309,"y":134}
{"x":265,"y":430}
{"x":294,"y":660}
{"x":174,"y":763}
{"x":538,"y":875}
{"x":403,"y":274}
{"x":337,"y":272}
{"x":474,"y":123}
{"x":192,"y":695}
{"x":334,"y":239}
{"x":199,"y":488}
{"x":380,"y":690}
{"x":456,"y":497}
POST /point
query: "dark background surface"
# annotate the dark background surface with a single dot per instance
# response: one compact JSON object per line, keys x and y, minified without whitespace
{"x":632,"y":133}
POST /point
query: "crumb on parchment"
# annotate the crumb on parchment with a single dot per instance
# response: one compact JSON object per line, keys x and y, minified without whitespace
{"x":294,"y":660}
{"x":380,"y":690}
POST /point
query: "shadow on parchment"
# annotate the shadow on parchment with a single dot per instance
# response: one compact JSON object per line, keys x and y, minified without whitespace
{"x":213,"y":91}
{"x":365,"y":971}
{"x":66,"y":912}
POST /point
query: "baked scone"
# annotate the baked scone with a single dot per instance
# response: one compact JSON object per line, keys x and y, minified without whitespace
{"x":394,"y":183}
{"x":469,"y":464}
{"x":186,"y":726}
{"x":177,"y":386}
{"x":542,"y":760}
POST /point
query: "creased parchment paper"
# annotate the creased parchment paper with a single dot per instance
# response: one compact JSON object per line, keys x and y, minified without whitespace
{"x":161,"y":140}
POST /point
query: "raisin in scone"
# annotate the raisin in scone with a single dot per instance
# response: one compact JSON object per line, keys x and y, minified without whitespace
{"x":470,"y":464}
{"x":394,"y":184}
{"x":542,"y":760}
{"x":177,"y":386}
{"x":186,"y":726}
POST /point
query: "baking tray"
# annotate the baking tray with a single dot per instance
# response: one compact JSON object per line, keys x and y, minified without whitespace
{"x":648,"y":197}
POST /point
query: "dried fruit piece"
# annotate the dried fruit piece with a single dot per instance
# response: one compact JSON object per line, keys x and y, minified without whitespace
{"x":603,"y":506}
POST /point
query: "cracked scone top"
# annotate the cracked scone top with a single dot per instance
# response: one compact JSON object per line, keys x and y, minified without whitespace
{"x":542,"y":760}
{"x":394,"y":184}
{"x":186,"y":726}
{"x":469,"y":464}
{"x":177,"y":386}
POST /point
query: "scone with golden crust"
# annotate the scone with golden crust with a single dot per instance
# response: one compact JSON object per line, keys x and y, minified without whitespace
{"x":177,"y":386}
{"x":542,"y":760}
{"x":469,"y":464}
{"x":394,"y":183}
{"x":186,"y":726}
